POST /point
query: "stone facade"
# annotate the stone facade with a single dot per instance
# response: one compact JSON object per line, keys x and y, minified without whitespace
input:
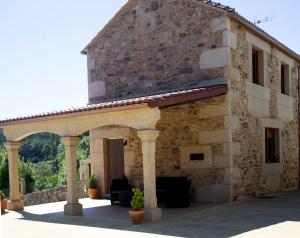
{"x":154,"y":46}
{"x":257,"y":177}
{"x":185,"y":129}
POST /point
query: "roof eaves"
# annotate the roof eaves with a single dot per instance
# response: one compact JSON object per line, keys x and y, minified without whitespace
{"x":89,"y":110}
{"x":171,"y":99}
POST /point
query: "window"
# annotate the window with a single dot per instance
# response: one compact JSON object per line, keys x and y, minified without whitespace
{"x":284,"y":76}
{"x":257,"y":67}
{"x":272,"y":145}
{"x":196,"y":157}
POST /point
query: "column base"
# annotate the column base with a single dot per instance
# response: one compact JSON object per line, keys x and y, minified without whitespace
{"x":15,"y":205}
{"x":153,"y":214}
{"x":73,"y":209}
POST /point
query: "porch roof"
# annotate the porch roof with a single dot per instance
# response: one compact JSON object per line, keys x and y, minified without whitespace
{"x":152,"y":101}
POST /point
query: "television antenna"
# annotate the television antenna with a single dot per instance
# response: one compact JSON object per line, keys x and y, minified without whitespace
{"x":264,"y":20}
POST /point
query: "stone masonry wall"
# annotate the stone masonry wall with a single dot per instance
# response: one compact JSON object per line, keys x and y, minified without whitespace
{"x":49,"y":196}
{"x":258,"y":107}
{"x":153,"y":46}
{"x":195,"y":128}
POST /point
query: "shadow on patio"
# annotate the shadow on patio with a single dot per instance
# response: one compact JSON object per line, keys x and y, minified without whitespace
{"x":200,"y":220}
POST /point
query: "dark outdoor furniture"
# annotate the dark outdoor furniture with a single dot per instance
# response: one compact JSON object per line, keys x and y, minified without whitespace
{"x":125,"y":198}
{"x":173,"y":192}
{"x":117,"y":186}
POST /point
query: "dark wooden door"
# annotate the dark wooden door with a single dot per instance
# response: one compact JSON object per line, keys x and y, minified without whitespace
{"x":115,"y":159}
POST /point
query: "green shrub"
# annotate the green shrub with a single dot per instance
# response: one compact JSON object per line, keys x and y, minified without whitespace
{"x":4,"y":180}
{"x":93,"y":183}
{"x":2,"y":196}
{"x":27,"y":171}
{"x":83,"y":148}
{"x":137,"y":201}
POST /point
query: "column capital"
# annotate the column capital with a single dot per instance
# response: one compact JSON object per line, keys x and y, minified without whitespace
{"x":12,"y":145}
{"x":148,"y":135}
{"x":70,"y":140}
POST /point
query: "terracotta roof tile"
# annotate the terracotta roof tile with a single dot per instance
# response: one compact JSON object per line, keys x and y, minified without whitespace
{"x":160,"y":100}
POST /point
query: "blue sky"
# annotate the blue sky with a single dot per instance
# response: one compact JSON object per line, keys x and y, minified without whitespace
{"x":41,"y":68}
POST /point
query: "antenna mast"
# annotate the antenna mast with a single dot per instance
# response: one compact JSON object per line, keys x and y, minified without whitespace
{"x":264,"y":20}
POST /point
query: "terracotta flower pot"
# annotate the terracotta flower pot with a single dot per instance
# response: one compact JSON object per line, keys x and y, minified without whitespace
{"x":92,"y":193}
{"x":137,"y":217}
{"x":3,"y":205}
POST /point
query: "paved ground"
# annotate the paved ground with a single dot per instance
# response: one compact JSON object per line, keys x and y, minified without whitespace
{"x":259,"y":218}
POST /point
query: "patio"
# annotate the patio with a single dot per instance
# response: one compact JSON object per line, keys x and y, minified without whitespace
{"x":101,"y":210}
{"x":258,"y":218}
{"x":96,"y":213}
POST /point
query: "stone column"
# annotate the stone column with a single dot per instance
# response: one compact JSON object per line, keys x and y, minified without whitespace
{"x":73,"y":207}
{"x":14,"y":203}
{"x":98,"y":161}
{"x":148,"y":138}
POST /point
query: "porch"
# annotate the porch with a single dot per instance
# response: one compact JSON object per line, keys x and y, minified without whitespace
{"x":138,"y":115}
{"x":69,"y":127}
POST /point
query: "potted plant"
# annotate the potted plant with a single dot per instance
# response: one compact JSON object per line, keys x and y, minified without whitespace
{"x":137,"y":204}
{"x":93,"y":185}
{"x":3,"y":202}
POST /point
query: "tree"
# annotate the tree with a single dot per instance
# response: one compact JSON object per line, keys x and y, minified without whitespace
{"x":4,"y":178}
{"x":39,"y":147}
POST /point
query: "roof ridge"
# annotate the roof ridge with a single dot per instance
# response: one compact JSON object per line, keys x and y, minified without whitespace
{"x":218,"y":5}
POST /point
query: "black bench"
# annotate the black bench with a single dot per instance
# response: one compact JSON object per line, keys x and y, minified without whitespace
{"x":118,"y":186}
{"x":173,"y":192}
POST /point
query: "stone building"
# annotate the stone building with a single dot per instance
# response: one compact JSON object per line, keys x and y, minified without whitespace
{"x":153,"y":47}
{"x":183,"y":88}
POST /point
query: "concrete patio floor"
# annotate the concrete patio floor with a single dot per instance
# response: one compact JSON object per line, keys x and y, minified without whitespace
{"x":258,"y":218}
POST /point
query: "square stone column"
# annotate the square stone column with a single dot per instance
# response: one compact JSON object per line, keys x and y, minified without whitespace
{"x":148,"y":139}
{"x":14,"y":203}
{"x":98,"y":156}
{"x":73,"y":207}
